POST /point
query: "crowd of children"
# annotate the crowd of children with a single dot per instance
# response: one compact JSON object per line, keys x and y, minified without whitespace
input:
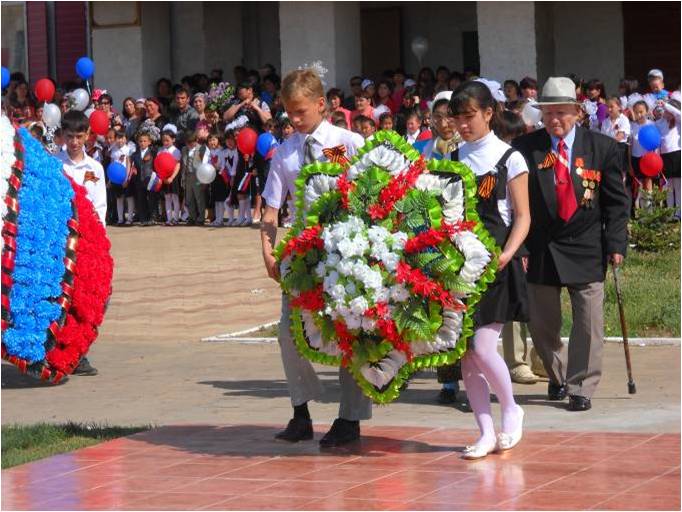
{"x":186,"y":121}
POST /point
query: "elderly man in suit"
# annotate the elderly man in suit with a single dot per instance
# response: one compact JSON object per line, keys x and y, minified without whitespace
{"x":579,"y":211}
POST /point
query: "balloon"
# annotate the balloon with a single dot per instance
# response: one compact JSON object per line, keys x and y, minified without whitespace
{"x":265,"y":143}
{"x":649,"y":137}
{"x":246,"y":141}
{"x":164,"y":164}
{"x":651,"y":164}
{"x":44,"y":89}
{"x":531,"y":115}
{"x":602,"y":112}
{"x":89,"y":112}
{"x":85,"y":68}
{"x":206,"y":173}
{"x":99,"y":122}
{"x":81,"y":99}
{"x":5,"y":77}
{"x":51,"y":115}
{"x":420,"y":45}
{"x":117,"y":173}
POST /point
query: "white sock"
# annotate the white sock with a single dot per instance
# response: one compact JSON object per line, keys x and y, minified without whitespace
{"x":230,"y":212}
{"x":131,"y":208}
{"x":219,"y":212}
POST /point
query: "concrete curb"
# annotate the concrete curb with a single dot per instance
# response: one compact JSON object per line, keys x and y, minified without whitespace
{"x":240,"y":337}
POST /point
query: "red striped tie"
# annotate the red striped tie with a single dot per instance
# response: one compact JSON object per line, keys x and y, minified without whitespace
{"x":565,"y":197}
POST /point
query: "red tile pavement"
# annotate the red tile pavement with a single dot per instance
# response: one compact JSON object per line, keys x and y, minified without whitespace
{"x":207,"y":467}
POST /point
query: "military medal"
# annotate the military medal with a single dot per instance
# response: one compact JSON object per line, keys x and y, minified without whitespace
{"x":590,"y":180}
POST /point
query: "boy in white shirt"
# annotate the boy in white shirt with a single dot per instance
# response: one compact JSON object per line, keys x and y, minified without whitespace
{"x":305,"y":103}
{"x":87,"y":172}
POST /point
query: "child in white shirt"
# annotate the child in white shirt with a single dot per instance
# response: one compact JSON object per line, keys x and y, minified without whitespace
{"x":616,"y":125}
{"x":669,"y":126}
{"x":171,"y":186}
{"x":121,"y":153}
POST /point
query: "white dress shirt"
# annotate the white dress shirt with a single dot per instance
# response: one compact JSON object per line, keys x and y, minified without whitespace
{"x":90,"y":174}
{"x":288,"y":159}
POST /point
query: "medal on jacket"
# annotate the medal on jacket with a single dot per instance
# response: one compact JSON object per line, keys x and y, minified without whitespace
{"x":590,"y":181}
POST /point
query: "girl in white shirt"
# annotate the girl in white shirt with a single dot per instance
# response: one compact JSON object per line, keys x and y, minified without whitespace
{"x":616,"y":125}
{"x":640,"y":114}
{"x":171,"y":187}
{"x":669,"y":126}
{"x":502,"y":204}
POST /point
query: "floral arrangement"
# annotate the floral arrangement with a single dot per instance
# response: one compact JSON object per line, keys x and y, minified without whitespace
{"x":51,"y":239}
{"x":385,"y":263}
{"x":220,"y":96}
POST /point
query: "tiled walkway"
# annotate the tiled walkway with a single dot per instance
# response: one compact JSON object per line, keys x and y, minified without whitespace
{"x":241,"y":467}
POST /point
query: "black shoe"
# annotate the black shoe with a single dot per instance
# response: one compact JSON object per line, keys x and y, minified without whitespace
{"x":85,"y":368}
{"x":342,"y":432}
{"x":447,"y":396}
{"x":298,"y":429}
{"x":556,"y":392}
{"x":463,"y":405}
{"x":579,"y":403}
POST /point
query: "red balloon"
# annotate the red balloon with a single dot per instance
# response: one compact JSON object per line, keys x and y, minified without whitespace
{"x":651,"y":164}
{"x":425,"y":135}
{"x":99,"y":122}
{"x":246,"y":141}
{"x":44,"y":89}
{"x":164,"y":164}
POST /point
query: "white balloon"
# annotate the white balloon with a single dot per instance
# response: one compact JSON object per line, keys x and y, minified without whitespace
{"x":531,"y":115}
{"x":81,"y":99}
{"x":51,"y":115}
{"x":420,"y":45}
{"x":89,"y":112}
{"x":206,"y":173}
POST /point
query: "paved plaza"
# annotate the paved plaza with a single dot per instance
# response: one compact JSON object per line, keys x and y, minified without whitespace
{"x":217,"y":406}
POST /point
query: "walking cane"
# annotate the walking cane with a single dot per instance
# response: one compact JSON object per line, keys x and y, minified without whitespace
{"x":631,"y":383}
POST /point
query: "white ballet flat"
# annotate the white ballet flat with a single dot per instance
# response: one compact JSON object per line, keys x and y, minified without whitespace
{"x":508,"y":441}
{"x":478,"y":451}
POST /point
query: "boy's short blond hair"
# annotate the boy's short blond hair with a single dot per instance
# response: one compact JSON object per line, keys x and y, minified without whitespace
{"x":302,"y":82}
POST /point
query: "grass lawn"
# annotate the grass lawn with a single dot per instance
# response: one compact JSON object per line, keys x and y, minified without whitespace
{"x":650,"y":283}
{"x":21,"y":443}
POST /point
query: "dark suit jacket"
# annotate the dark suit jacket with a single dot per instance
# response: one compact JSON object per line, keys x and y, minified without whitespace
{"x":574,"y":252}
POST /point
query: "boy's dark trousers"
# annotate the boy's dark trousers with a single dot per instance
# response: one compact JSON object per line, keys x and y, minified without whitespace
{"x":141,"y":203}
{"x":195,"y":198}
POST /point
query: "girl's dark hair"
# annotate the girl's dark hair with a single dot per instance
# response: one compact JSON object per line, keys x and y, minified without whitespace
{"x":385,"y":115}
{"x":413,"y":112}
{"x":284,"y":121}
{"x":334,"y":92}
{"x":427,"y":71}
{"x":596,"y":84}
{"x":215,"y":134}
{"x":510,"y":125}
{"x":119,"y":134}
{"x":515,"y":85}
{"x":170,"y":133}
{"x":387,"y":83}
{"x":477,"y":95}
{"x":123,"y":106}
{"x":529,"y":83}
{"x":229,"y":134}
{"x":629,"y":84}
{"x":642,"y":103}
{"x":339,"y":117}
{"x":443,"y":68}
{"x":439,"y":103}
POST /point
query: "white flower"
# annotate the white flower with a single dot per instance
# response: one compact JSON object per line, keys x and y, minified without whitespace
{"x":398,"y":240}
{"x":330,"y":281}
{"x":333,"y":259}
{"x":391,"y":261}
{"x":381,"y":294}
{"x":351,"y":289}
{"x":368,"y":324}
{"x":338,"y":292}
{"x":377,"y":234}
{"x":358,"y":306}
{"x":316,"y":186}
{"x":353,"y":321}
{"x":399,"y":293}
{"x":320,"y":269}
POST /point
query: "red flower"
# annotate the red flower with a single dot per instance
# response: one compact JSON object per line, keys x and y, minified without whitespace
{"x":308,"y":239}
{"x":345,"y":340}
{"x":433,"y":237}
{"x":396,"y":190}
{"x":422,"y":285}
{"x":312,"y":300}
{"x":345,"y":187}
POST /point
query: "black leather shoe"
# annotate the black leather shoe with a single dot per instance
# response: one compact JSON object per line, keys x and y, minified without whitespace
{"x":298,"y":429}
{"x":85,"y":368}
{"x":342,"y":432}
{"x":556,"y":392}
{"x":579,"y":403}
{"x":447,"y":396}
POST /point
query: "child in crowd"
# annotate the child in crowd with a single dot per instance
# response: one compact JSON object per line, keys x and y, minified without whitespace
{"x":229,"y":174}
{"x":363,"y":106}
{"x":386,"y":121}
{"x":640,"y":113}
{"x":245,"y":184}
{"x":335,"y":101}
{"x":413,"y":122}
{"x":286,"y":128}
{"x":125,"y":193}
{"x":596,"y":103}
{"x":339,"y":119}
{"x":146,"y":201}
{"x":217,"y":187}
{"x":171,"y":186}
{"x":193,"y":155}
{"x":367,"y":126}
{"x":93,"y":148}
{"x":669,"y":126}
{"x":616,"y":125}
{"x":409,"y":103}
{"x":87,"y":172}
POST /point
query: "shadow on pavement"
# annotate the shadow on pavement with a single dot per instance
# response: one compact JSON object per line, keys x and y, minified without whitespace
{"x":12,"y":378}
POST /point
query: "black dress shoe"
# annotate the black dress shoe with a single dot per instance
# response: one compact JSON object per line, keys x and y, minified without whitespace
{"x":298,"y":429}
{"x":447,"y":396}
{"x":556,"y":392}
{"x":342,"y":432}
{"x":85,"y":368}
{"x":579,"y":403}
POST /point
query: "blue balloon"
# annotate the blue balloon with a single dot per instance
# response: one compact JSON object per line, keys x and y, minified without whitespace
{"x":5,"y":77}
{"x":264,"y":143}
{"x":420,"y":145}
{"x":649,"y":137}
{"x":117,"y":173}
{"x":85,"y":68}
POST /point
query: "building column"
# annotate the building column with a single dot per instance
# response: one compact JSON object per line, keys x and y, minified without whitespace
{"x":507,"y":40}
{"x":324,"y":31}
